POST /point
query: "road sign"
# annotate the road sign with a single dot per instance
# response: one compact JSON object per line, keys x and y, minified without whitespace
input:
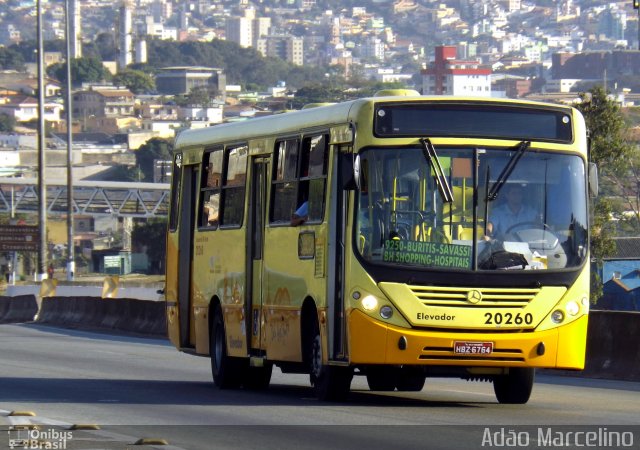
{"x":19,"y":238}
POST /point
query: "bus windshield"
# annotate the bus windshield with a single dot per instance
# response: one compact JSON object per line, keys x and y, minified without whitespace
{"x":536,"y":220}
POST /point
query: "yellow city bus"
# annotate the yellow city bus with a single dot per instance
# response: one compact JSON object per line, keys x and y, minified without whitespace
{"x":407,"y":258}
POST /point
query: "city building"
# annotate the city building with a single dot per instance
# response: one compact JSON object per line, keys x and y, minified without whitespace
{"x":24,"y":108}
{"x":181,"y":80}
{"x":240,"y":31}
{"x":288,"y":48}
{"x":103,"y":101}
{"x":75,"y":29}
{"x":450,"y":76}
{"x":125,"y":50}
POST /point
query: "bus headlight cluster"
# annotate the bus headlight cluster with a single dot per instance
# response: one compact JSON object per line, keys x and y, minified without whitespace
{"x":370,"y":303}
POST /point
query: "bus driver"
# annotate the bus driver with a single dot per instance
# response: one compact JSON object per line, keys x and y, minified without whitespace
{"x":510,"y":213}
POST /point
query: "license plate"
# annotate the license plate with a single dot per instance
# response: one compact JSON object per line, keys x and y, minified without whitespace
{"x":472,"y":348}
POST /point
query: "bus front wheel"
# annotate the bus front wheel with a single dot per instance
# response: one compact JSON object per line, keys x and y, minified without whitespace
{"x":227,"y":371}
{"x":410,"y":379}
{"x":329,"y":382}
{"x":516,"y":386}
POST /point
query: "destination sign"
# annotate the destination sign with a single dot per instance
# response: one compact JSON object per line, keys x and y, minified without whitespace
{"x":432,"y":254}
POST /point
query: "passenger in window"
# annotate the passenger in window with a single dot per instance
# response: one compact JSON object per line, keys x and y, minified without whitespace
{"x":211,"y":210}
{"x":301,"y":215}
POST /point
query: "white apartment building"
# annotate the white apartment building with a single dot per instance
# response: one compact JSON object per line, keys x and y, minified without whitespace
{"x":373,"y":47}
{"x":562,"y":85}
{"x":210,"y":115}
{"x":288,"y":48}
{"x":261,"y":27}
{"x":240,"y":31}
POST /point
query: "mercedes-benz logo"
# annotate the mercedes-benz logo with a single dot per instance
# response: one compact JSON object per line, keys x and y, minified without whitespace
{"x":474,"y":296}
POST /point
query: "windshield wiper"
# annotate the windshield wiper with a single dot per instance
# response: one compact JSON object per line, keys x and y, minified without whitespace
{"x":506,"y":172}
{"x":429,"y":152}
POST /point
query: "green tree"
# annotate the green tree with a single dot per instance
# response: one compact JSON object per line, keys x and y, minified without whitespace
{"x":10,"y":59}
{"x":7,"y":123}
{"x":317,"y":93}
{"x":83,"y":70}
{"x":124,"y":172}
{"x":199,"y":96}
{"x":106,"y":46}
{"x":611,"y":151}
{"x":151,"y":235}
{"x":240,"y":65}
{"x":136,"y":81}
{"x":370,"y":88}
{"x":153,"y":149}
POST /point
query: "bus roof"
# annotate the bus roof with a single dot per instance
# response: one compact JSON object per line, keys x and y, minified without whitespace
{"x":321,"y":116}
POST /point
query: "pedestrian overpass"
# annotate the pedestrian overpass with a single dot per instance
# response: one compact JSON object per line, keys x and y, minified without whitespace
{"x":90,"y":198}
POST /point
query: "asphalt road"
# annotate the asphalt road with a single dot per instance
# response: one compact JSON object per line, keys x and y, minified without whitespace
{"x":143,"y":388}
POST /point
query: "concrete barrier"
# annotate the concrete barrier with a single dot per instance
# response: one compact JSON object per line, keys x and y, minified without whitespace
{"x":5,"y":303}
{"x":612,"y":341}
{"x":131,"y":315}
{"x":612,"y":345}
{"x":18,"y":309}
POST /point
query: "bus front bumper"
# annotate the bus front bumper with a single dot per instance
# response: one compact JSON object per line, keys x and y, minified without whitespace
{"x":373,"y":342}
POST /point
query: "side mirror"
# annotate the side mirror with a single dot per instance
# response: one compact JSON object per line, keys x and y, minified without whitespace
{"x":349,"y":174}
{"x":593,"y":179}
{"x":356,"y":170}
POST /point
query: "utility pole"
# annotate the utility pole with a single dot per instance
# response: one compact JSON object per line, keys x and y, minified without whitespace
{"x":636,"y":6}
{"x":42,"y":188}
{"x":70,"y":210}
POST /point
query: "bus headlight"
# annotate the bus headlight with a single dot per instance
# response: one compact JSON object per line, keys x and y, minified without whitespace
{"x":572,"y":308}
{"x":369,"y":303}
{"x":557,"y":316}
{"x":386,"y":312}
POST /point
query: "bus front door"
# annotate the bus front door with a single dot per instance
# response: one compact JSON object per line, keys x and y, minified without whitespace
{"x":255,"y":260}
{"x":185,"y":253}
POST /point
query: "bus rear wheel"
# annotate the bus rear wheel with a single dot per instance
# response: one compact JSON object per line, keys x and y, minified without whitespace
{"x":330,"y":383}
{"x":515,"y":387}
{"x":227,"y":371}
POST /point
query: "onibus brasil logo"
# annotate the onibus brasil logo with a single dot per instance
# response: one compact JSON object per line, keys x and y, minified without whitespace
{"x":35,"y":439}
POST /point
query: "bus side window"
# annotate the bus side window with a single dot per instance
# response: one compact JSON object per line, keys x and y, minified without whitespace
{"x":210,"y":190}
{"x":285,"y":181}
{"x":233,"y":188}
{"x":313,"y":175}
